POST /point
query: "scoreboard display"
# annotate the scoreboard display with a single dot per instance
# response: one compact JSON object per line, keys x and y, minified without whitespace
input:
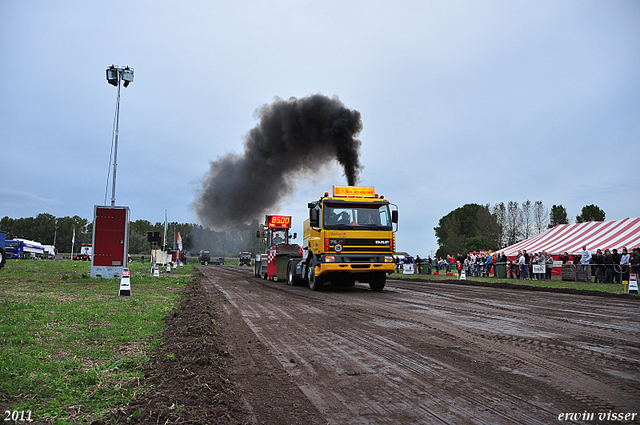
{"x":278,"y":222}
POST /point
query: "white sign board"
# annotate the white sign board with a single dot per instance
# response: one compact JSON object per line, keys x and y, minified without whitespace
{"x":407,"y":268}
{"x":633,"y":283}
{"x":538,"y":268}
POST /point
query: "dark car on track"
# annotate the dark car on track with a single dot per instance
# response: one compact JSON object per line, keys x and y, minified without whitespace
{"x":204,"y":257}
{"x":245,"y":259}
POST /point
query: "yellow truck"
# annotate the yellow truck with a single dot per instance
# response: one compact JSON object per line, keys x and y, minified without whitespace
{"x":349,"y":237}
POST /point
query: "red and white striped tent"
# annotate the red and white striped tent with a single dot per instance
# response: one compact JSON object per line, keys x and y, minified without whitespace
{"x":572,"y":237}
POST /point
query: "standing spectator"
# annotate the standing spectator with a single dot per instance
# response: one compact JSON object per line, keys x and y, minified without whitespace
{"x":585,"y":259}
{"x":634,"y":261}
{"x":549,"y":266}
{"x":527,"y":261}
{"x":430,"y":261}
{"x":599,"y":262}
{"x":565,"y":258}
{"x":418,"y":264}
{"x":608,"y":267}
{"x":524,"y":268}
{"x":522,"y":265}
{"x":487,"y":265}
{"x":541,"y":262}
{"x":624,"y":264}
{"x":616,"y":262}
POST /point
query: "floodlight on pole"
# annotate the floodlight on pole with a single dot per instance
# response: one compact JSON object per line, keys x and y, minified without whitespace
{"x":115,"y":75}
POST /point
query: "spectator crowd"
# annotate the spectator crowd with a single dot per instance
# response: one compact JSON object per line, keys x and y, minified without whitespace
{"x":609,"y":266}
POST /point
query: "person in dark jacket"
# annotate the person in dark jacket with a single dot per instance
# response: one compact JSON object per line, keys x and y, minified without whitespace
{"x":608,"y":267}
{"x":616,"y":270}
{"x":624,"y":264}
{"x":599,"y":262}
{"x":549,"y":265}
{"x":634,"y":261}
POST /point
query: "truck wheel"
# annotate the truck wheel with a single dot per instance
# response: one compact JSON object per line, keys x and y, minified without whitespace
{"x":377,"y":281}
{"x":315,"y":282}
{"x":292,"y":279}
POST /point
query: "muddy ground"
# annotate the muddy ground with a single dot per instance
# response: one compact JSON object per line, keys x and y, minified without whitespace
{"x":246,"y":350}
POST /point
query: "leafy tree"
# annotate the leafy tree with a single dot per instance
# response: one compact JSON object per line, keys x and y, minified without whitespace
{"x":590,"y":213}
{"x":138,"y":244}
{"x":540,"y":217}
{"x":558,"y":215}
{"x":42,"y":229}
{"x":499,"y":212}
{"x":479,"y":243}
{"x":513,"y":230}
{"x":526,"y":214}
{"x":463,"y":223}
{"x":451,"y":238}
{"x":83,"y":229}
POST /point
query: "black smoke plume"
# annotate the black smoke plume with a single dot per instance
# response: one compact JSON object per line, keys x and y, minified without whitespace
{"x":294,"y":138}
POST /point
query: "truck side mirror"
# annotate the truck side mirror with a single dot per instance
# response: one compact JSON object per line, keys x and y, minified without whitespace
{"x":295,"y":236}
{"x":314,"y":217}
{"x":394,"y":216}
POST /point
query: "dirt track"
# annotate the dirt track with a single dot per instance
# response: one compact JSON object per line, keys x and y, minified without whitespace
{"x":425,"y":352}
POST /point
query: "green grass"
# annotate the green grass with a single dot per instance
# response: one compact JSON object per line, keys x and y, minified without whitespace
{"x":556,"y":282}
{"x":71,"y":347}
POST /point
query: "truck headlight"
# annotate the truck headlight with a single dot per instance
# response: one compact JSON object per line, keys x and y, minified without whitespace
{"x":389,"y":259}
{"x":329,"y":259}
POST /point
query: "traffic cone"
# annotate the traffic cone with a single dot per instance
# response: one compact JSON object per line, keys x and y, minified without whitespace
{"x":156,"y":271}
{"x":125,"y":284}
{"x":168,"y":268}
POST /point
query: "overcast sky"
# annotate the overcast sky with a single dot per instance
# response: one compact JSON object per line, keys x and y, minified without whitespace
{"x":461,"y":101}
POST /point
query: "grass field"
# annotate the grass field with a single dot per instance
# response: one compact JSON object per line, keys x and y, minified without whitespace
{"x":72,"y":349}
{"x":70,"y":345}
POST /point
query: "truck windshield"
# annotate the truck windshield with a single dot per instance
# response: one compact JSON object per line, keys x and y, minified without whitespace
{"x":345,"y":216}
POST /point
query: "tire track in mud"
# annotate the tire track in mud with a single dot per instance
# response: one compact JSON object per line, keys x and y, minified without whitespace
{"x":564,"y":354}
{"x":415,"y":355}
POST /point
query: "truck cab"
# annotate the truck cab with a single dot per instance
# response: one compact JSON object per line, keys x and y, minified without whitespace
{"x":349,"y":237}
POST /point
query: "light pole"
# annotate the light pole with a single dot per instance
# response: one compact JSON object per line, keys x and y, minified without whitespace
{"x":55,"y":235}
{"x":115,"y":75}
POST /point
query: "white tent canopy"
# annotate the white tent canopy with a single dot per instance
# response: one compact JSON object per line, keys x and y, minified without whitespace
{"x":572,"y":237}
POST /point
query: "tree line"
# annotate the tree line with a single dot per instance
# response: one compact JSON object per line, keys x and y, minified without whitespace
{"x":59,"y":231}
{"x":474,"y":227}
